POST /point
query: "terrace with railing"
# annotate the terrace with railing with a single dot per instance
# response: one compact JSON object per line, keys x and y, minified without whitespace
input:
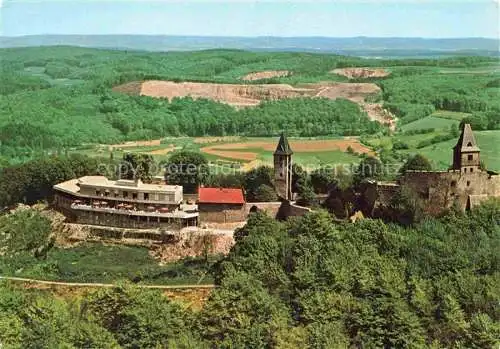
{"x":187,"y":211}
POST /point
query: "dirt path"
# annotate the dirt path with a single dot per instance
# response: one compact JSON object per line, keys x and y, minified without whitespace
{"x":321,"y":91}
{"x":82,"y":284}
{"x":131,"y":144}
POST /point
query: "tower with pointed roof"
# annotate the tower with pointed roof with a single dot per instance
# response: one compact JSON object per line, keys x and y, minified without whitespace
{"x":283,"y":168}
{"x":466,"y":152}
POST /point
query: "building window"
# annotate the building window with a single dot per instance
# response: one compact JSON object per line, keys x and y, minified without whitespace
{"x":125,"y":194}
{"x":470,"y":157}
{"x":134,"y":196}
{"x":471,"y":169}
{"x":98,"y":193}
{"x":468,"y":183}
{"x":469,"y":144}
{"x":465,"y":169}
{"x":146,"y":196}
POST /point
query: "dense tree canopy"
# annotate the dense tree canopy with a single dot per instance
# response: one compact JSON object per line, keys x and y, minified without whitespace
{"x":255,"y":179}
{"x":33,"y":181}
{"x":367,"y":282}
{"x":305,"y":283}
{"x":417,"y":162}
{"x":60,"y":97}
{"x":137,"y":166}
{"x":24,"y":231}
{"x":189,"y":169}
{"x":414,"y":97}
{"x":369,"y":168}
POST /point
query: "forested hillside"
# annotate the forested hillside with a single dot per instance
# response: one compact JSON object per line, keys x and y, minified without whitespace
{"x":306,"y":283}
{"x":309,"y":282}
{"x":419,"y":94}
{"x":52,"y":98}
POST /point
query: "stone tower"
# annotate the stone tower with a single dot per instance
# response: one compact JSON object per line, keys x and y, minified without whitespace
{"x":283,"y":168}
{"x":466,"y":152}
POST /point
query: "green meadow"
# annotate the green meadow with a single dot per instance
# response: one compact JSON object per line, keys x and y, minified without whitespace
{"x":488,"y":141}
{"x":437,"y":123}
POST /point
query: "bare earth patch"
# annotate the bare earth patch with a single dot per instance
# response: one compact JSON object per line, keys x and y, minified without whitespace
{"x":238,"y":95}
{"x":355,"y":92}
{"x":268,"y":74}
{"x":241,"y":95}
{"x":229,"y":150}
{"x":361,"y":73}
{"x":252,"y":95}
{"x":376,"y":112}
{"x":194,"y":243}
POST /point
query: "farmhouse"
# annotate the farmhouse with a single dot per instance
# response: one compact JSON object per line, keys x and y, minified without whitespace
{"x":221,"y":205}
{"x":96,"y":200}
{"x":465,"y":184}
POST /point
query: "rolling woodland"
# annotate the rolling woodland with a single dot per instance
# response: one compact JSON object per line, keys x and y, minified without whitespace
{"x":317,"y":281}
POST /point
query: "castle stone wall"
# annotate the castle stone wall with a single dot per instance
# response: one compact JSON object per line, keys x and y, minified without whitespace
{"x":271,"y":208}
{"x":440,"y":190}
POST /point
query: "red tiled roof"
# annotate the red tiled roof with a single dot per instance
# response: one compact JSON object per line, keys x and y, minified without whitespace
{"x":220,"y":196}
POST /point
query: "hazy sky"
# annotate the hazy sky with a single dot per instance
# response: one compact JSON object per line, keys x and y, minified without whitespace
{"x":422,"y":18}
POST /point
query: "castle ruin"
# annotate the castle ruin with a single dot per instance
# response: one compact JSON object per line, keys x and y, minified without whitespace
{"x":465,"y":184}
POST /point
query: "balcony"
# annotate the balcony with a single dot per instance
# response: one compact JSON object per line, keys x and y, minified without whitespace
{"x":130,"y":211}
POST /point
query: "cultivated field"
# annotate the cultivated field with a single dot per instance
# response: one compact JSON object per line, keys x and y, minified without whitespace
{"x":241,"y":152}
{"x":430,"y":122}
{"x":299,"y":146}
{"x":439,"y":120}
{"x":310,"y":153}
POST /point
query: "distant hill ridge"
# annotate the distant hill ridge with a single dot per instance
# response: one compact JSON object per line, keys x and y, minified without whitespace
{"x":359,"y":46}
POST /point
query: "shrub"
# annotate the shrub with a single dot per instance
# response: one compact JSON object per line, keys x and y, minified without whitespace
{"x":416,"y":163}
{"x":265,"y":193}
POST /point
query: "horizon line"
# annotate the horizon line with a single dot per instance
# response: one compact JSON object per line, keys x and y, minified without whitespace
{"x":263,"y":36}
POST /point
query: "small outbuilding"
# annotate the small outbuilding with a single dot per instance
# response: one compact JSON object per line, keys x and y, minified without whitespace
{"x":221,"y":205}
